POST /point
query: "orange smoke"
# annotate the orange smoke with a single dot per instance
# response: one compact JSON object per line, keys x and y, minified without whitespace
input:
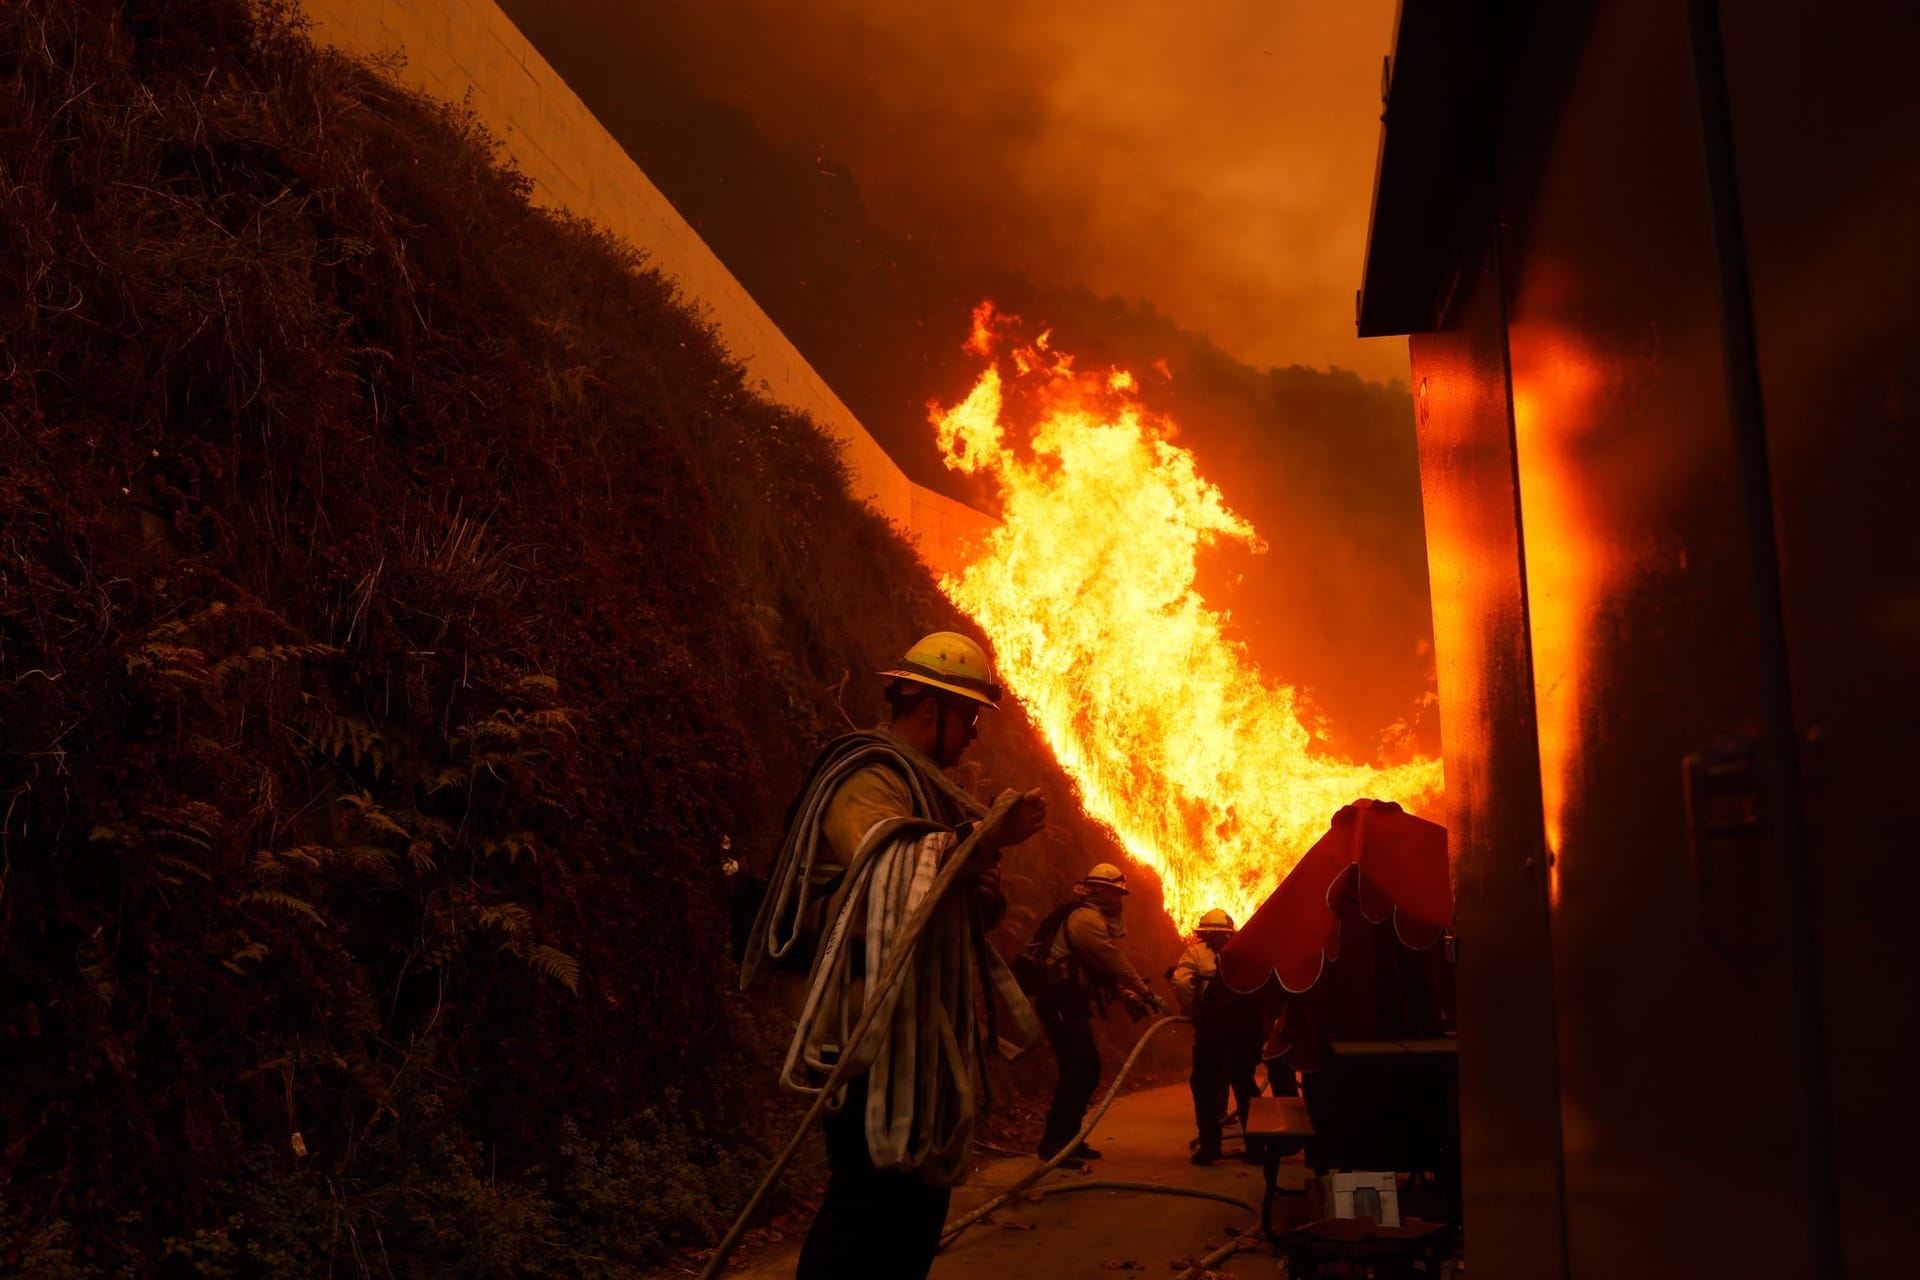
{"x":1200,"y":765}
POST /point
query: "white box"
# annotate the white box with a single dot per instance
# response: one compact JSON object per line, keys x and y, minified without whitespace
{"x":1361,"y":1195}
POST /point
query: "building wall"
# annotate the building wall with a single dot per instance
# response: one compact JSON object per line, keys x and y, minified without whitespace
{"x":1509,"y":1079}
{"x":468,"y":50}
{"x":1711,"y":443}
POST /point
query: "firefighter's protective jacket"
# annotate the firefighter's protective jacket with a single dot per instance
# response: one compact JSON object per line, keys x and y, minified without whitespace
{"x":1088,"y":938}
{"x":1197,"y":966}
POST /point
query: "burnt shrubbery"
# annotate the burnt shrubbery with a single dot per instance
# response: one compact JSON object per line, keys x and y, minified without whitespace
{"x":404,"y":609}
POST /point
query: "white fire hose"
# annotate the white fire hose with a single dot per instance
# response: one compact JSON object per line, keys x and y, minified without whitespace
{"x":1066,"y":1153}
{"x":978,"y":1214}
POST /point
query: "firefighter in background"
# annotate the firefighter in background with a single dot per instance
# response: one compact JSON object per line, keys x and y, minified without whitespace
{"x":1226,"y":1033}
{"x":1078,"y":952}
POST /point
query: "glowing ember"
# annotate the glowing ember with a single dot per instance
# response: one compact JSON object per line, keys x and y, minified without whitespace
{"x":1201,"y":767}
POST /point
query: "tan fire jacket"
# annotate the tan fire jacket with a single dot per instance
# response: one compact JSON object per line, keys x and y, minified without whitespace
{"x":1089,"y":939}
{"x":1197,"y":966}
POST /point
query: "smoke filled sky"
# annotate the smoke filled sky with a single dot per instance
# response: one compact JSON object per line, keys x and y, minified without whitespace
{"x":1214,"y":159}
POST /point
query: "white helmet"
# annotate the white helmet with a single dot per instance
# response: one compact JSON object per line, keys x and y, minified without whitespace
{"x":1105,"y":878}
{"x":1215,"y":921}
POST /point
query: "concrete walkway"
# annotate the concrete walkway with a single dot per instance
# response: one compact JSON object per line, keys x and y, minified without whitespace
{"x":1101,"y":1233}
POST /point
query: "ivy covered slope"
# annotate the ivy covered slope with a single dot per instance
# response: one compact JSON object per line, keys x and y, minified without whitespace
{"x":405,"y":611}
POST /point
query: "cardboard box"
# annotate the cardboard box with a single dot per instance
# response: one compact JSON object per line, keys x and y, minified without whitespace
{"x":1360,"y":1195}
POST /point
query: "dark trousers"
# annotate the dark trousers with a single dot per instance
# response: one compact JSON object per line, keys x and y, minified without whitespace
{"x":872,"y":1222}
{"x":1069,"y":1025}
{"x":1228,"y":1034}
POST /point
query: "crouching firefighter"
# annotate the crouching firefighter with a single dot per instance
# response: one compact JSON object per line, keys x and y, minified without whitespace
{"x":866,"y":839}
{"x":1072,"y":964}
{"x":1226,"y":1033}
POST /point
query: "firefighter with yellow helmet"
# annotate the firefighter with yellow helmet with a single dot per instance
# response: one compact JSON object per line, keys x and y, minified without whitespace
{"x":876,"y":818}
{"x":1226,"y":1032}
{"x":1076,"y":958}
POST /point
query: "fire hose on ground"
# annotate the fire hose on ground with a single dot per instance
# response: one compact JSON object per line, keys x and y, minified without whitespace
{"x":1066,"y":1153}
{"x":1203,"y":1265}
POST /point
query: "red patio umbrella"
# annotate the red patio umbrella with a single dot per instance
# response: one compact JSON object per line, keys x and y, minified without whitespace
{"x":1400,"y":865}
{"x":1342,"y":954}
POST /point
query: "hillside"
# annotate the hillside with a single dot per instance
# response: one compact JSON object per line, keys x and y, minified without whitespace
{"x":407,"y":615}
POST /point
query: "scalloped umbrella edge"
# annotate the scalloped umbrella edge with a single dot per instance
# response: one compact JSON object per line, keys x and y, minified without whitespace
{"x":1400,"y":862}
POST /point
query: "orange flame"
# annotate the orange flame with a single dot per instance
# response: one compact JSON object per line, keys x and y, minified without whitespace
{"x":1570,"y":559}
{"x":1201,"y":767}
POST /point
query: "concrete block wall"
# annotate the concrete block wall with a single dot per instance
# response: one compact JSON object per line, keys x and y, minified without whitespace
{"x":469,"y":51}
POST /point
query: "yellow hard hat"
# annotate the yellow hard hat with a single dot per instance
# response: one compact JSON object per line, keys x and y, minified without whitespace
{"x":1106,"y":877}
{"x":950,"y":661}
{"x":1215,"y":920}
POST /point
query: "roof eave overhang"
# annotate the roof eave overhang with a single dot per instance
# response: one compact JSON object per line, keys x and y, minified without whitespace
{"x":1439,"y":87}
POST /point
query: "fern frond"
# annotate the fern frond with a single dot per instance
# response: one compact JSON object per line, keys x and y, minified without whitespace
{"x":284,"y":902}
{"x":507,"y":723}
{"x":271,"y":655}
{"x":273,"y":862}
{"x":181,"y":865}
{"x":369,"y":814}
{"x":348,"y":738}
{"x":557,"y":965}
{"x":176,"y":628}
{"x":178,"y":662}
{"x":511,"y":843}
{"x":380,"y":820}
{"x":182,"y":833}
{"x":368,"y":859}
{"x":507,"y":917}
{"x":252,"y":951}
{"x":179,"y":655}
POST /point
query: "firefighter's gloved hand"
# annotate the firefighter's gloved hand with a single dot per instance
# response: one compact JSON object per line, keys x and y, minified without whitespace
{"x":1025,"y":820}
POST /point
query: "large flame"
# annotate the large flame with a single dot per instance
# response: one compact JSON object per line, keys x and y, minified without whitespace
{"x":1200,"y":765}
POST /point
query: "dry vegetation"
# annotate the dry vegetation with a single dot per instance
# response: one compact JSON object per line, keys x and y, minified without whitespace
{"x":405,"y":610}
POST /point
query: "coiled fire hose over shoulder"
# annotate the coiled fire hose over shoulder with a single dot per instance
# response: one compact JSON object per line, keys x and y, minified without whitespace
{"x":852,"y":1060}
